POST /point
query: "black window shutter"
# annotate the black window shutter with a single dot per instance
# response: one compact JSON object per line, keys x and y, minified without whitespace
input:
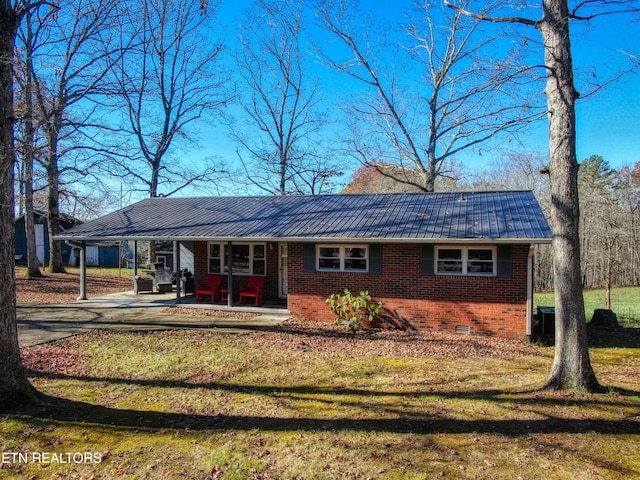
{"x":427,"y":259}
{"x":309,"y":257}
{"x":375,"y":258}
{"x":504,"y":260}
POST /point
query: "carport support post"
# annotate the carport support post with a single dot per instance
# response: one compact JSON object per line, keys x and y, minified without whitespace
{"x":229,"y":275}
{"x":176,"y":268}
{"x":83,"y":271}
{"x":135,"y":258}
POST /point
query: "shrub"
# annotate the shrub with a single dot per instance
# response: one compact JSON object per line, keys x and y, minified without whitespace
{"x":351,"y":310}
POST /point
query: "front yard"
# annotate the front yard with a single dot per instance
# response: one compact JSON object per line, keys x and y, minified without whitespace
{"x":296,"y":402}
{"x":316,"y":403}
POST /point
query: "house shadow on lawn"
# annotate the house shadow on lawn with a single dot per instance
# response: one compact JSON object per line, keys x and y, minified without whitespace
{"x":74,"y":411}
{"x":404,"y":421}
{"x":606,"y":337}
{"x":603,"y":337}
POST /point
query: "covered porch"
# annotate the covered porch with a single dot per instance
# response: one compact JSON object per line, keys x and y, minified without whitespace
{"x":234,"y":263}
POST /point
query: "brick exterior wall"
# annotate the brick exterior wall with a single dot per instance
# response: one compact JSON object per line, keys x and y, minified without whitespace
{"x":485,"y":305}
{"x":270,"y":290}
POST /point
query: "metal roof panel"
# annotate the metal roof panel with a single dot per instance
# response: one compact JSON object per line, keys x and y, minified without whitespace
{"x":419,"y":216}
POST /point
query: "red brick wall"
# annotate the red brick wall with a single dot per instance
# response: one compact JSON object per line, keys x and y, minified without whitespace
{"x":488,"y":305}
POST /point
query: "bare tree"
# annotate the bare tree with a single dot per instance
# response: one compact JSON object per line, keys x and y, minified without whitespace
{"x":28,"y":147}
{"x":69,"y":68}
{"x":628,"y":195}
{"x":169,"y":78}
{"x":595,"y":183}
{"x":452,"y":100}
{"x":277,"y":136}
{"x":516,"y":170}
{"x":608,"y":205}
{"x":14,"y":385}
{"x":572,"y":365}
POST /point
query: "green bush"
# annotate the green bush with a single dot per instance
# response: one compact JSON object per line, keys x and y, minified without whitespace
{"x":351,"y":310}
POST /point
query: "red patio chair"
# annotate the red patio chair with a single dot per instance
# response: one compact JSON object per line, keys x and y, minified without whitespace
{"x":210,"y":287}
{"x":253,"y":289}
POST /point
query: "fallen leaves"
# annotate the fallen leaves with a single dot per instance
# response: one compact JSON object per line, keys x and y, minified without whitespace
{"x":55,"y":359}
{"x":63,"y":288}
{"x":69,"y":358}
{"x":306,"y":336}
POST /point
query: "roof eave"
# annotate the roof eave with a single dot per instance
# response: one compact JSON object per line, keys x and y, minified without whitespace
{"x":477,"y":241}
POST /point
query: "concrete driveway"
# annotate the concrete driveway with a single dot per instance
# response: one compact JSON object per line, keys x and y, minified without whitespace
{"x":128,"y":312}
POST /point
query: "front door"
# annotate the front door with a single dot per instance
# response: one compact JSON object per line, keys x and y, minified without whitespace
{"x":283,"y":273}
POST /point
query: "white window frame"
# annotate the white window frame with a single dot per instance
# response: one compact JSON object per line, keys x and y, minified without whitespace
{"x":223,"y":259}
{"x":465,"y":260}
{"x":342,"y":248}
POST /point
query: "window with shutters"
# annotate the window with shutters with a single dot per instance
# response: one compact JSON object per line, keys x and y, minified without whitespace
{"x":454,"y":260}
{"x":342,"y":258}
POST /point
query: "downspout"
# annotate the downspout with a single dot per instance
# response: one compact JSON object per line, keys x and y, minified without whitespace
{"x":530,"y":292}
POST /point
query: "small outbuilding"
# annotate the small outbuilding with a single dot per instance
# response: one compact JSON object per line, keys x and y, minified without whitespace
{"x":458,"y":262}
{"x":41,"y":226}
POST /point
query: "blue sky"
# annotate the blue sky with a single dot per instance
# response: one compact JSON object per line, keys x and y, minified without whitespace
{"x":608,"y":121}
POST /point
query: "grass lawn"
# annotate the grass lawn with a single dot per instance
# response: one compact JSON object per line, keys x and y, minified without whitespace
{"x":625,"y":302}
{"x":304,"y":405}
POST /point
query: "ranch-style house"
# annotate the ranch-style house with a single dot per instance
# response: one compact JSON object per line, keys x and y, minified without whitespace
{"x":458,"y":262}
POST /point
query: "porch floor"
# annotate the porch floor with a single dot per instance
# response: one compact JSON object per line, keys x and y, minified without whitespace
{"x":189,"y":301}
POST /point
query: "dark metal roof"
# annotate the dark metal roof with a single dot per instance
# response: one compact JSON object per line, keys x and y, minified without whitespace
{"x":469,"y":216}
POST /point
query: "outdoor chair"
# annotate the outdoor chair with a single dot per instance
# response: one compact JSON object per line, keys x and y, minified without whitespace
{"x":210,"y":287}
{"x":253,"y":289}
{"x":141,"y":284}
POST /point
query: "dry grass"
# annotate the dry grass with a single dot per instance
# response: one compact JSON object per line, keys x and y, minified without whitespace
{"x":311,"y":403}
{"x":284,"y":404}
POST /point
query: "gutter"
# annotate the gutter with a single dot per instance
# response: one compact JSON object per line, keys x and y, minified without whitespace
{"x":476,"y":241}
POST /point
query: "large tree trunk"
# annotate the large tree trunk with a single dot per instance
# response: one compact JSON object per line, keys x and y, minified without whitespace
{"x":571,"y":366}
{"x":33,"y":268}
{"x":53,"y":213}
{"x":14,"y":386}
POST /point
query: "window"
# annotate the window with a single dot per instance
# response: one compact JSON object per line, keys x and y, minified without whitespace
{"x":466,"y":261}
{"x":246,"y":258}
{"x":343,"y":258}
{"x":215,"y":258}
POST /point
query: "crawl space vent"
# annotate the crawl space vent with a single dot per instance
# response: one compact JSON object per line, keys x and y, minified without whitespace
{"x":463,"y":329}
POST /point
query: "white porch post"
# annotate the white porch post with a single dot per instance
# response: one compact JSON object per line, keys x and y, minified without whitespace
{"x":229,"y":275}
{"x":135,"y":258}
{"x":176,"y":268}
{"x":83,"y":271}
